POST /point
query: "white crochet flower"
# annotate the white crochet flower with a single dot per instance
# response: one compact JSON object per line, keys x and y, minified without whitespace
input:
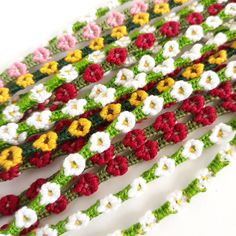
{"x":74,"y":164}
{"x":166,"y":67}
{"x":230,"y":71}
{"x":68,"y":73}
{"x":231,"y":24}
{"x":112,"y":4}
{"x":152,"y":105}
{"x":96,"y":57}
{"x":222,"y":133}
{"x":177,"y":201}
{"x":148,"y":222}
{"x":228,"y":153}
{"x":194,"y":53}
{"x":77,"y":221}
{"x":218,"y":39}
{"x":40,"y":120}
{"x":137,"y":187}
{"x":25,"y":217}
{"x":123,"y":42}
{"x":50,"y":192}
{"x":125,"y":122}
{"x":204,"y":177}
{"x":194,"y":33}
{"x":116,"y":233}
{"x":88,"y":17}
{"x":12,"y":113}
{"x":39,"y":93}
{"x":181,"y":90}
{"x":213,"y":21}
{"x":123,"y":76}
{"x":74,"y":107}
{"x":147,"y":29}
{"x":109,"y":203}
{"x":46,"y":231}
{"x":171,"y":49}
{"x":230,"y":9}
{"x":166,"y":166}
{"x":209,"y":80}
{"x":100,"y":141}
{"x":171,"y":17}
{"x":130,"y":60}
{"x":146,"y":63}
{"x":138,"y":81}
{"x":197,"y":7}
{"x":193,"y":149}
{"x":8,"y":132}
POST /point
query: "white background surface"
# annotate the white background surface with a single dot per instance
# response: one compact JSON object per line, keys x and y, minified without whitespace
{"x":25,"y":25}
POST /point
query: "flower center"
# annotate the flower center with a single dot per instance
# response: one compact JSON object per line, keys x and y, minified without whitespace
{"x":181,"y":91}
{"x":109,"y":205}
{"x":125,"y":122}
{"x":73,"y":165}
{"x":192,"y":149}
{"x":220,"y":134}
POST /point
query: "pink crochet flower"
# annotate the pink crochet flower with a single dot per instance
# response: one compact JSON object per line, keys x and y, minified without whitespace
{"x":115,"y":19}
{"x":138,"y":7}
{"x":41,"y":55}
{"x":160,"y":1}
{"x":1,"y":84}
{"x":66,"y":42}
{"x":17,"y":69}
{"x":91,"y":31}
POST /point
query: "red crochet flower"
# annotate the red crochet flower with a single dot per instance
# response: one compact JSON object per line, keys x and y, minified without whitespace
{"x":65,"y":92}
{"x":170,"y":29}
{"x":25,"y":231}
{"x":87,"y":184}
{"x":230,"y":103}
{"x":145,"y":41}
{"x":193,"y":104}
{"x":58,"y":206}
{"x":117,"y":166}
{"x":40,"y":159}
{"x":104,"y":157}
{"x":148,"y":151}
{"x":8,"y":205}
{"x":10,"y":174}
{"x":34,"y":188}
{"x":214,"y":9}
{"x":72,"y":146}
{"x":177,"y":134}
{"x":165,"y":122}
{"x":117,"y":56}
{"x":175,"y":72}
{"x":62,"y":124}
{"x":93,"y":73}
{"x":134,"y":139}
{"x":194,"y":18}
{"x":223,"y":91}
{"x":206,"y":116}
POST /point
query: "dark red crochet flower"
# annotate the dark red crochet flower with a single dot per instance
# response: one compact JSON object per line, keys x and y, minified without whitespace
{"x":223,"y":91}
{"x":175,"y":72}
{"x":206,"y":116}
{"x":93,"y":73}
{"x":145,"y":41}
{"x":40,"y":159}
{"x":34,"y":188}
{"x":165,"y":122}
{"x":87,"y":184}
{"x":9,"y":204}
{"x":25,"y":231}
{"x":214,"y":9}
{"x":148,"y":151}
{"x":170,"y":29}
{"x":104,"y":157}
{"x":194,"y":18}
{"x":58,"y":206}
{"x":65,"y":92}
{"x":230,"y":103}
{"x":117,"y":166}
{"x":117,"y":56}
{"x":72,"y":146}
{"x":134,"y":139}
{"x":193,"y":104}
{"x":177,"y":134}
{"x":62,"y":124}
{"x":10,"y":174}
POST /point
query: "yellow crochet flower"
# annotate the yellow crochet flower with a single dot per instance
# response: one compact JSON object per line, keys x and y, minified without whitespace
{"x":74,"y":56}
{"x":193,"y":71}
{"x":79,"y":128}
{"x":25,"y":80}
{"x":137,"y":97}
{"x":119,"y":32}
{"x":181,"y":1}
{"x":4,"y":95}
{"x":10,"y":157}
{"x":233,"y":45}
{"x":110,"y":112}
{"x":46,"y":142}
{"x":141,"y":18}
{"x":97,"y":44}
{"x":49,"y":68}
{"x":165,"y":84}
{"x":218,"y":58}
{"x":161,"y":8}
